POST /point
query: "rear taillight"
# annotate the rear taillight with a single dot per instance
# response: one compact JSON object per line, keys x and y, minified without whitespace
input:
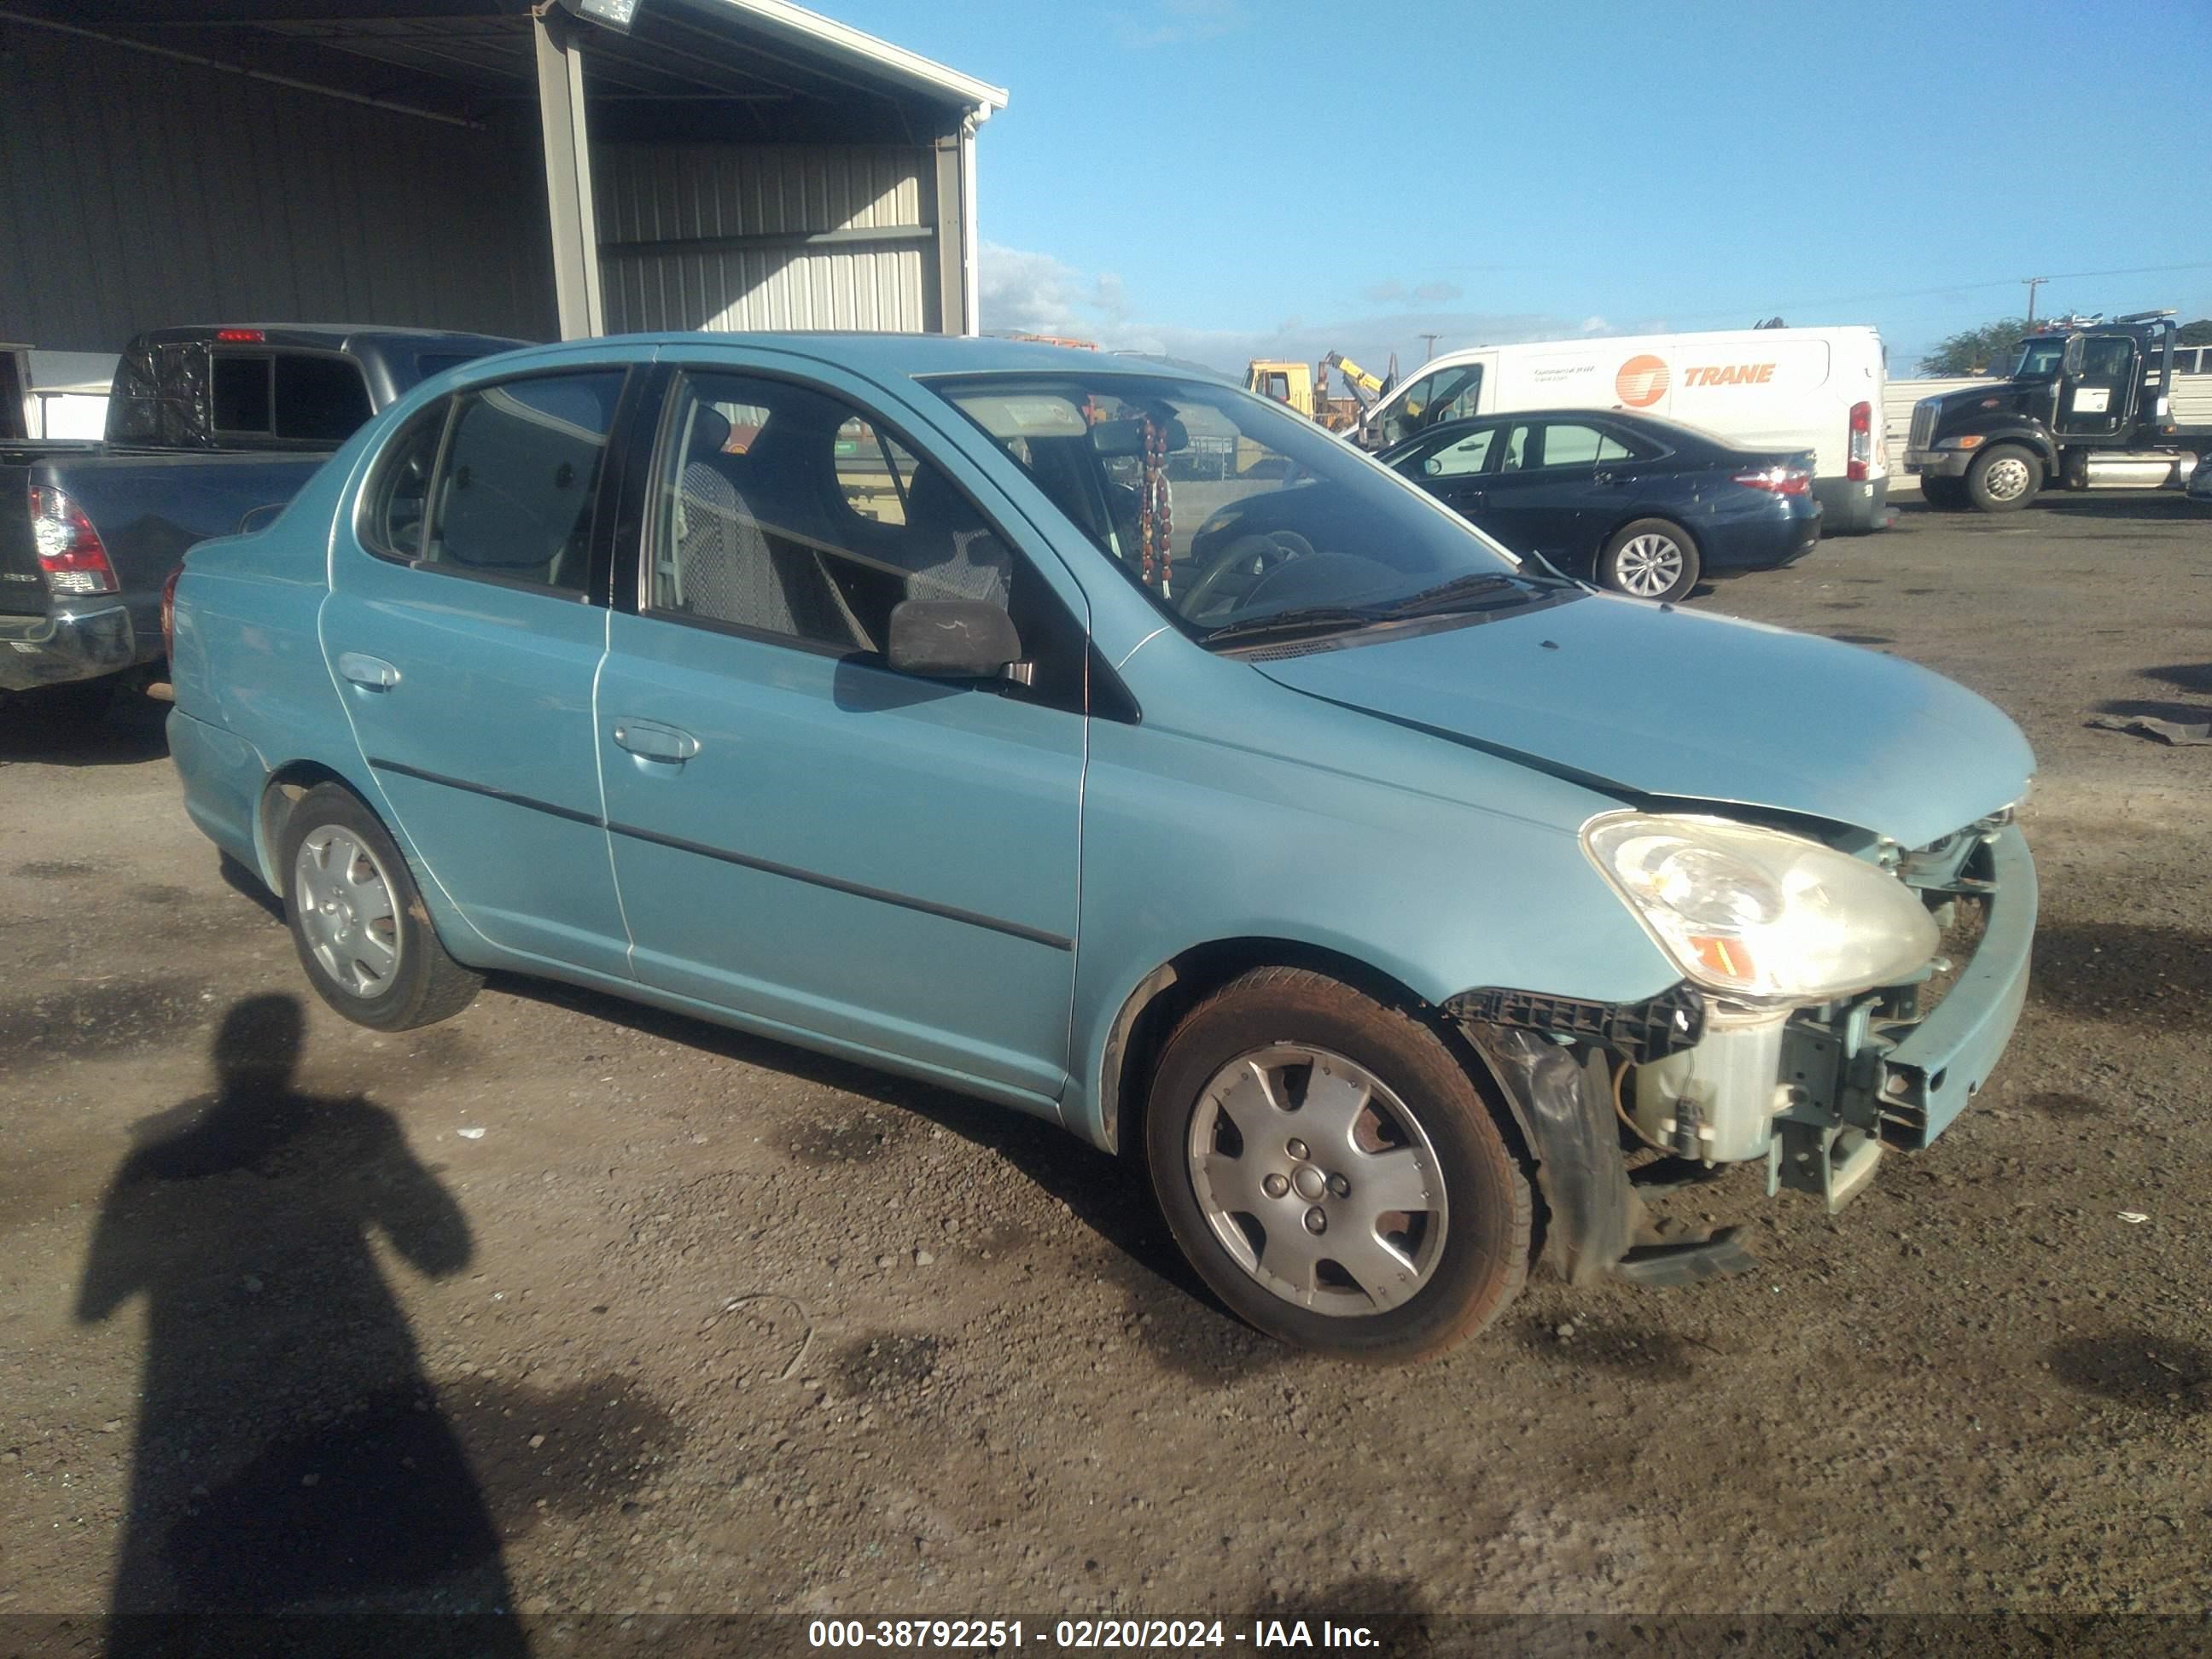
{"x":1776,"y":480}
{"x":70,"y":550}
{"x":1861,"y":452}
{"x":169,"y":614}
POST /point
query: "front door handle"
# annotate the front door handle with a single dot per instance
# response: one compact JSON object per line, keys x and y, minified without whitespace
{"x":373,"y":673}
{"x":654,"y":741}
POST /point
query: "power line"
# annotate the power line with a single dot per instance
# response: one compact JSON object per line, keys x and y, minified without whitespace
{"x":1952,"y":288}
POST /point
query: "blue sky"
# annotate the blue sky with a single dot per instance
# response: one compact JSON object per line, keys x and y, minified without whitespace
{"x":1223,"y":179}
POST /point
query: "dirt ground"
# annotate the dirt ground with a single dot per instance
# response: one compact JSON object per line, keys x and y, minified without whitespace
{"x":631,"y":1313}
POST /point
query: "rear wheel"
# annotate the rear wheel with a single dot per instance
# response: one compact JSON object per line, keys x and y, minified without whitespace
{"x":1649,"y":559}
{"x":2003,"y":477}
{"x":1332,"y":1172}
{"x":358,"y":922}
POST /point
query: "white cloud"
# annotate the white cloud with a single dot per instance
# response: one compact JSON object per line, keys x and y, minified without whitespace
{"x":1179,"y":22}
{"x":1025,"y":292}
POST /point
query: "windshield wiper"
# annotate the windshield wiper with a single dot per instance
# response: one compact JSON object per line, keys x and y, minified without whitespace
{"x":1307,"y":619}
{"x":1453,"y":595}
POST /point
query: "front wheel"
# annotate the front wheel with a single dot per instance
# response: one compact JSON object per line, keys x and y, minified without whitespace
{"x":1332,"y":1172}
{"x":1649,"y":559}
{"x":1945,"y":494}
{"x":2003,"y":477}
{"x":362,"y":930}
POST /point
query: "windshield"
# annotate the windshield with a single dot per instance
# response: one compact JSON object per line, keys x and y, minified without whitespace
{"x":1225,"y":510}
{"x":2040,"y":360}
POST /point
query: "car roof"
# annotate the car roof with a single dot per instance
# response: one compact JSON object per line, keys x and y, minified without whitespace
{"x":884,"y":355}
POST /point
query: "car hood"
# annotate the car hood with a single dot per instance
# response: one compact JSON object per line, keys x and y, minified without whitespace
{"x":1649,"y":700}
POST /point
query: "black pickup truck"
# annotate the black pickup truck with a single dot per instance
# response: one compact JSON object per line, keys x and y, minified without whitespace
{"x":205,"y":427}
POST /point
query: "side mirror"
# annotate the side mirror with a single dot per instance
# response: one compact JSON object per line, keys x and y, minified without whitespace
{"x":1433,"y":466}
{"x":2077,"y":353}
{"x":952,"y":639}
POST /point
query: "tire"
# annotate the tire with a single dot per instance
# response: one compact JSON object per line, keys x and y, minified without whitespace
{"x":1945,"y":494}
{"x":1651,"y":559}
{"x":358,"y":922}
{"x":2003,"y":478}
{"x":1234,"y":1167}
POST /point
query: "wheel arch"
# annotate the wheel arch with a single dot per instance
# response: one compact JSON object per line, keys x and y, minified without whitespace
{"x":1150,"y":1011}
{"x":282,"y":790}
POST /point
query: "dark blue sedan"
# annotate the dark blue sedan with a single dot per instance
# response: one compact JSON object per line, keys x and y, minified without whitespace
{"x":1643,"y":506}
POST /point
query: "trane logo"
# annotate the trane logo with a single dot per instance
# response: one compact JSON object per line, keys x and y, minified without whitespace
{"x":1729,"y":374}
{"x":1641,"y":382}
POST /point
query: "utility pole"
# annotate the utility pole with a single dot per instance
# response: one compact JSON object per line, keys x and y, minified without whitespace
{"x":2032,"y":284}
{"x":1428,"y":348}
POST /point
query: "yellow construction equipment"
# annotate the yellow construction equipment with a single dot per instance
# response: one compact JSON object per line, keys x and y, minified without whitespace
{"x":1304,"y":388}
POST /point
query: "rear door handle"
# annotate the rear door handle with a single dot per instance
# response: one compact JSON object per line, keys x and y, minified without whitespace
{"x":372,"y":672}
{"x":654,"y":741}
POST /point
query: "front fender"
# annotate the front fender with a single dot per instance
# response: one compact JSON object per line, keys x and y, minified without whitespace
{"x":2010,"y":429}
{"x":1417,"y":887}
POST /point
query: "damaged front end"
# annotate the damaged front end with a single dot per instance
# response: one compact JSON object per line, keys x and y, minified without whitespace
{"x":1767,"y":1051}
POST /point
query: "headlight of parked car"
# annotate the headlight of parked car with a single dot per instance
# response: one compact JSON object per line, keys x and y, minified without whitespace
{"x":1758,"y":914}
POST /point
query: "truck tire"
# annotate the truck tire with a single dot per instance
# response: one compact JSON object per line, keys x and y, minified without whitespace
{"x":1333,"y":1171}
{"x":1944,"y":494}
{"x":2004,"y":478}
{"x":360,"y":926}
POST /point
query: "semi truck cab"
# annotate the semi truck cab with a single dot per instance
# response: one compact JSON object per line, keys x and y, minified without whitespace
{"x":2089,"y":405}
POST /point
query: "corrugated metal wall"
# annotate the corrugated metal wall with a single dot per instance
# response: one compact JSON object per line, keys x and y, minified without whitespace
{"x":138,"y":192}
{"x":720,"y":196}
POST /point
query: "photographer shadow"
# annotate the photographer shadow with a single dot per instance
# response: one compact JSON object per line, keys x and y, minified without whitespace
{"x":290,"y":1454}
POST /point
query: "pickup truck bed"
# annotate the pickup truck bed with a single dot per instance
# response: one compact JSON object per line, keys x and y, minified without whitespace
{"x":205,"y":425}
{"x":147,"y":508}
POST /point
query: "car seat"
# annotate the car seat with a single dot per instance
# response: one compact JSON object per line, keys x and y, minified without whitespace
{"x":730,"y":567}
{"x":948,"y":550}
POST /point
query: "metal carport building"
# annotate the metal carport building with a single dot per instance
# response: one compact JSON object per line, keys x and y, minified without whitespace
{"x":579,"y":166}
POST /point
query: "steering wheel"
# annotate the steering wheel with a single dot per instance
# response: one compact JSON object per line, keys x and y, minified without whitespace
{"x":1253,"y":557}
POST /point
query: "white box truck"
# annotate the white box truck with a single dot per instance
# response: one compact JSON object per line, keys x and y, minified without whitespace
{"x":1762,"y":388}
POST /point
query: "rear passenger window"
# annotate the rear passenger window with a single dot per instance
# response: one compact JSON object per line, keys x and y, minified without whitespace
{"x":1572,"y":446}
{"x":397,"y":498}
{"x":514,"y":495}
{"x":320,"y":400}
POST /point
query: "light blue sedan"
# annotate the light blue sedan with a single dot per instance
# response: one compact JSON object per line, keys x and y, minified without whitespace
{"x":1116,"y":745}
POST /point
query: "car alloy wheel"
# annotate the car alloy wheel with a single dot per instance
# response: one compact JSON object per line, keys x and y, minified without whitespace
{"x":1649,"y":565}
{"x":1318,"y":1180}
{"x":346,"y":911}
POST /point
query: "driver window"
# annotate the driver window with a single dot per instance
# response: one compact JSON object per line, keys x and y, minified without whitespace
{"x":514,"y":496}
{"x":1467,"y":455}
{"x":2107,"y":360}
{"x":822,"y":525}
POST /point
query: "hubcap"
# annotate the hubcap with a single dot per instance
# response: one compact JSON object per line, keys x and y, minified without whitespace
{"x":1317,"y":1179}
{"x":1647,"y":565}
{"x":343,"y":898}
{"x":2006,"y":480}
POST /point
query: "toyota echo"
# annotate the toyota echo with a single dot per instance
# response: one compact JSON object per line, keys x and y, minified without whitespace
{"x":1118,"y":746}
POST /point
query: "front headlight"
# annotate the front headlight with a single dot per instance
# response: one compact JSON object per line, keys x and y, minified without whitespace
{"x":1758,"y":914}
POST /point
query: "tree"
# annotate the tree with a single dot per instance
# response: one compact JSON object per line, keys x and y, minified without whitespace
{"x":1977,"y":350}
{"x":2197,"y":333}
